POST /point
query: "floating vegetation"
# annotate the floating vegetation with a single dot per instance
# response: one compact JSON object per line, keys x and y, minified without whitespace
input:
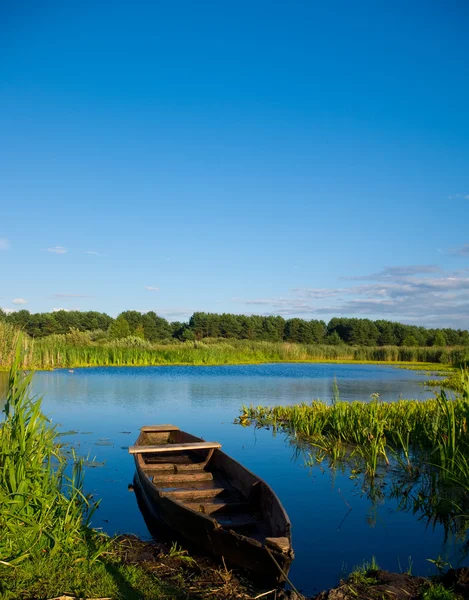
{"x":371,"y":433}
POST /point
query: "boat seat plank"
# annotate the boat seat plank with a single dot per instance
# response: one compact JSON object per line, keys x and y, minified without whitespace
{"x":208,"y":508}
{"x":173,"y":447}
{"x":158,"y":428}
{"x":176,"y":467}
{"x":163,"y":478}
{"x":185,"y":494}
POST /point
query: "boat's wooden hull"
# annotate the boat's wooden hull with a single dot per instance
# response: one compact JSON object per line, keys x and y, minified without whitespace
{"x":236,"y":549}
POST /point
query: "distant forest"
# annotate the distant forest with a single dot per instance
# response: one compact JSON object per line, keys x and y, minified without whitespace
{"x":151,"y":327}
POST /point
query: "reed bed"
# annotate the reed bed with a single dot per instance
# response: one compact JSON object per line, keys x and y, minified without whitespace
{"x":409,"y":431}
{"x":78,"y":349}
{"x":42,"y":508}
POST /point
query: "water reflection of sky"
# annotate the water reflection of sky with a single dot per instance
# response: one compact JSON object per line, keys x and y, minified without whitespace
{"x":103,"y":404}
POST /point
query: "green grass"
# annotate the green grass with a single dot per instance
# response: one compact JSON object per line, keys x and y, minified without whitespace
{"x":438,"y":592}
{"x":81,"y":576}
{"x":365,"y":574}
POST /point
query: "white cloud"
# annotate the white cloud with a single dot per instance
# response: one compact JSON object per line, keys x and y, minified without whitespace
{"x":94,"y":253}
{"x":57,"y":250}
{"x":8,"y":310}
{"x":4,"y":244}
{"x":151,"y":288}
{"x":19,"y":301}
{"x":59,"y":309}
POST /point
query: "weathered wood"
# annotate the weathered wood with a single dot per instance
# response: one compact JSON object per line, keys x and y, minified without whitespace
{"x":175,"y":468}
{"x":173,"y":447}
{"x":208,"y":508}
{"x":158,"y":428}
{"x":185,"y":494}
{"x":162,"y":479}
{"x":279,"y":543}
{"x":231,"y":515}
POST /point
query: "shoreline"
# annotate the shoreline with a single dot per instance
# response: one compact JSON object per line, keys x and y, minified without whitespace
{"x":411,"y":365}
{"x":176,"y":574}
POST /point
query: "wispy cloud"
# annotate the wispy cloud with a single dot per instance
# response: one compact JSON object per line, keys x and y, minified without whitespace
{"x":459,"y":197}
{"x":461,"y":251}
{"x":418,"y":294}
{"x":152,"y":288}
{"x":94,"y":253}
{"x":391,"y":272}
{"x":59,"y":309}
{"x":57,"y":250}
{"x":4,"y":244}
{"x":71,"y":296}
{"x":19,"y":301}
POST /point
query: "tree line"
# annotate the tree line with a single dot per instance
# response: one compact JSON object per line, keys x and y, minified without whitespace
{"x":154,"y":328}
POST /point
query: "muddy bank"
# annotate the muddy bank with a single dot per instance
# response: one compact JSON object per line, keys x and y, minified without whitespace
{"x":203,"y":578}
{"x":199,"y":576}
{"x":380,"y":585}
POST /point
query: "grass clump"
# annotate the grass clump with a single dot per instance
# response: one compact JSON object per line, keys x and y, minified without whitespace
{"x":438,"y":592}
{"x":365,"y":574}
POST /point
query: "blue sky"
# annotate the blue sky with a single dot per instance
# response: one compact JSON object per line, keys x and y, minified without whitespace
{"x":299,"y":158}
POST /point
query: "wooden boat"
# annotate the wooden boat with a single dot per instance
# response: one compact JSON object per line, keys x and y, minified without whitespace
{"x":212,"y":501}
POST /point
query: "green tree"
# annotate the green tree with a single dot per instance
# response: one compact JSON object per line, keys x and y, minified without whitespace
{"x":439,"y":339}
{"x":410,"y":340}
{"x":334,"y":339}
{"x":119,"y":328}
{"x":156,"y":328}
{"x":133,"y":318}
{"x":139,"y":331}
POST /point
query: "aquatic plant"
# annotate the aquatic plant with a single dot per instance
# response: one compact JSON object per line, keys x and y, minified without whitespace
{"x":434,"y":430}
{"x":42,"y":508}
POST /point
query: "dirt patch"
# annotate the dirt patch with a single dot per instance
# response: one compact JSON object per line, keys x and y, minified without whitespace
{"x":457,"y":580}
{"x":199,"y":576}
{"x":378,"y":585}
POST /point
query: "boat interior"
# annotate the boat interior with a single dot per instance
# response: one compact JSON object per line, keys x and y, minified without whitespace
{"x":204,"y":479}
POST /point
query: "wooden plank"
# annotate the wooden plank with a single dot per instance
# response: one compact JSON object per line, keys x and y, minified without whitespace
{"x":174,"y":467}
{"x":162,"y":479}
{"x":208,"y":508}
{"x":173,"y":447}
{"x":188,"y":494}
{"x":158,"y":428}
{"x":278,"y":543}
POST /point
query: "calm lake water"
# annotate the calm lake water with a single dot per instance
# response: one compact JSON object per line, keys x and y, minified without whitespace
{"x":107,"y":406}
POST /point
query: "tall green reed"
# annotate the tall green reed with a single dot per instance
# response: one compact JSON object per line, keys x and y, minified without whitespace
{"x":81,"y":349}
{"x":434,"y":430}
{"x":42,"y":504}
